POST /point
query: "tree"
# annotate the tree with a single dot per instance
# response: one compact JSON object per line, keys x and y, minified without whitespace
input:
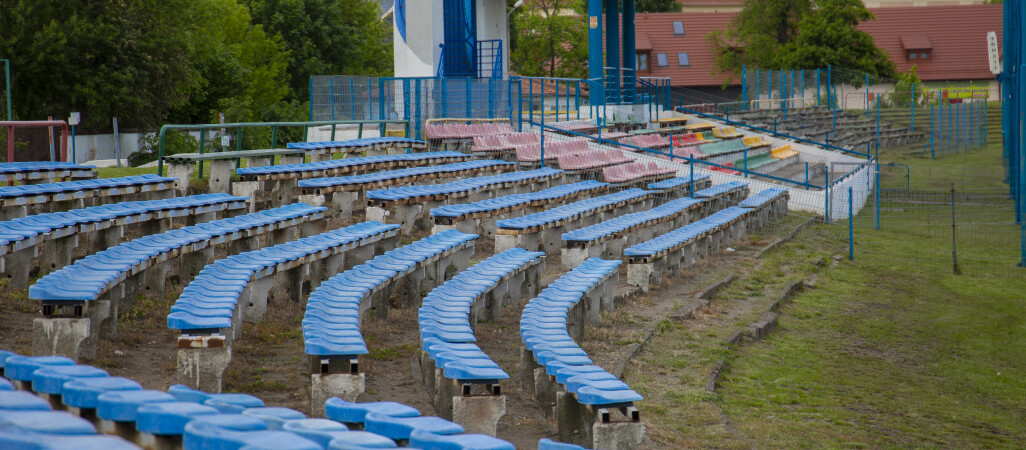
{"x":800,"y":34}
{"x":326,"y":37}
{"x":103,"y":58}
{"x":658,"y":6}
{"x":829,"y":37}
{"x":552,"y":40}
{"x":754,"y":35}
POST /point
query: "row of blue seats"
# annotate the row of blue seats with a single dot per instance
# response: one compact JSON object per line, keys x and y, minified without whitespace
{"x":348,"y":162}
{"x":543,"y":329}
{"x":331,"y":325}
{"x":75,"y":187}
{"x":196,"y":419}
{"x":762,"y":198}
{"x":677,"y":182}
{"x":682,"y":235}
{"x":14,"y":232}
{"x":627,"y":221}
{"x":401,"y":173}
{"x":356,"y":143}
{"x":465,"y":185}
{"x":508,"y":201}
{"x":29,"y":166}
{"x":719,"y":189}
{"x":446,"y":332}
{"x":571,"y":210}
{"x":211,"y":299}
{"x":92,"y":275}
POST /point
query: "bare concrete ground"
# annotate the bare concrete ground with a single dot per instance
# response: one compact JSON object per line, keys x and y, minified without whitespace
{"x":268,"y":361}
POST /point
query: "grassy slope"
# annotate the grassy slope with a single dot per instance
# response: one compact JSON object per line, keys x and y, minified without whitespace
{"x":878,"y":356}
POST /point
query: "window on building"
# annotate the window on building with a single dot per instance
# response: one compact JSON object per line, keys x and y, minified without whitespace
{"x":683,"y":60}
{"x":918,"y":54}
{"x":641,"y":61}
{"x":661,"y":59}
{"x":911,"y":55}
{"x":922,"y":56}
{"x":678,"y":28}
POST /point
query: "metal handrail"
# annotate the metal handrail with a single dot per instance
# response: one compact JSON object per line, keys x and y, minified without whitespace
{"x":274,"y":131}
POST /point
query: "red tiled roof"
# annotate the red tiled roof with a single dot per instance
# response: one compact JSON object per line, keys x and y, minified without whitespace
{"x":641,"y":41}
{"x":659,"y":29}
{"x":955,"y":35}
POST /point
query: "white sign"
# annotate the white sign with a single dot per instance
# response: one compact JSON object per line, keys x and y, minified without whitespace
{"x":992,"y":53}
{"x":225,"y":141}
{"x":75,"y":119}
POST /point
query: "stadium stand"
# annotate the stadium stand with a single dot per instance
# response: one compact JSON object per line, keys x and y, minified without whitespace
{"x":81,"y":301}
{"x":589,"y":406}
{"x":22,"y":200}
{"x":211,"y":309}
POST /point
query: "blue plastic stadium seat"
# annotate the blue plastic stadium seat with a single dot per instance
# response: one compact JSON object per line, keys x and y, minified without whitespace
{"x":218,"y":433}
{"x":12,"y":400}
{"x":21,"y":368}
{"x":627,"y":221}
{"x":81,"y":185}
{"x":5,"y":385}
{"x":169,"y":418}
{"x":760,"y":199}
{"x":50,"y":380}
{"x":85,"y":392}
{"x":16,"y":437}
{"x":427,"y":440}
{"x":686,"y":233}
{"x":48,"y":422}
{"x":355,"y":413}
{"x":274,"y":416}
{"x":233,"y":403}
{"x":123,"y":406}
{"x":676,"y":182}
{"x":719,"y":189}
{"x":399,"y":428}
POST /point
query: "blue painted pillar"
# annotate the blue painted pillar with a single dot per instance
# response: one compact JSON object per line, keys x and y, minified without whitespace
{"x":613,"y":50}
{"x":594,"y":39}
{"x":630,"y":86}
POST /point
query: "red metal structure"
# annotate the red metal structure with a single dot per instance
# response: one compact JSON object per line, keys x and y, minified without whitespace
{"x":12,"y":125}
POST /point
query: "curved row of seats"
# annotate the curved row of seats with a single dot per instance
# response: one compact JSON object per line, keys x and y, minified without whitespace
{"x":361,"y":145}
{"x":410,"y":206}
{"x":680,"y":187}
{"x":331,"y":323}
{"x":89,"y":292}
{"x":607,"y":239}
{"x":61,"y":405}
{"x":653,"y":141}
{"x":591,"y":160}
{"x":359,"y":164}
{"x":532,"y":154}
{"x":28,"y":172}
{"x":465,"y":131}
{"x":462,"y":379}
{"x":15,"y":201}
{"x":723,"y":195}
{"x":664,"y":255}
{"x":563,"y":380}
{"x":484,"y":213}
{"x":502,"y":143}
{"x":52,"y":237}
{"x":543,"y":230}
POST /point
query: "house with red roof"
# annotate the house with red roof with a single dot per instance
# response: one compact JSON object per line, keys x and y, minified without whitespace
{"x":946,"y":43}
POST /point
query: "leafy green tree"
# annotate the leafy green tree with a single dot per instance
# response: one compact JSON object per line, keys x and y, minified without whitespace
{"x":909,"y":89}
{"x":754,"y":35}
{"x":104,"y":58}
{"x":233,"y":63}
{"x":327,"y":37}
{"x":658,"y":6}
{"x":829,"y":37}
{"x":552,"y":39}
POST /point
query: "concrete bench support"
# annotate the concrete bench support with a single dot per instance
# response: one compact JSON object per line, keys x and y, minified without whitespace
{"x":603,"y":428}
{"x":182,"y":171}
{"x":334,"y":377}
{"x":202,"y":361}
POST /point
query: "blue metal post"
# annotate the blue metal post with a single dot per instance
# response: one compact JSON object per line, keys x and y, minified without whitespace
{"x":530,"y":95}
{"x":744,"y":84}
{"x":957,"y":126}
{"x":595,"y":39}
{"x":613,"y":50}
{"x":418,"y":121}
{"x":691,"y":165}
{"x":830,"y":90}
{"x":803,"y":89}
{"x":629,"y":49}
{"x":311,"y":103}
{"x":577,"y":100}
{"x":933,"y":134}
{"x":543,"y":124}
{"x":806,"y":175}
{"x":758,"y":88}
{"x":878,"y":124}
{"x":851,"y":225}
{"x":867,"y":95}
{"x":331,"y":97}
{"x":746,"y":161}
{"x":73,"y":158}
{"x":817,"y":89}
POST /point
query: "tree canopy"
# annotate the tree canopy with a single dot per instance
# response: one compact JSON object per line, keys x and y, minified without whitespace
{"x":799,"y":34}
{"x":658,"y":6}
{"x":149,"y":62}
{"x":551,"y":39}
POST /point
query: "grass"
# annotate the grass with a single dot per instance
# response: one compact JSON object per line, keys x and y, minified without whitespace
{"x":881,"y":354}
